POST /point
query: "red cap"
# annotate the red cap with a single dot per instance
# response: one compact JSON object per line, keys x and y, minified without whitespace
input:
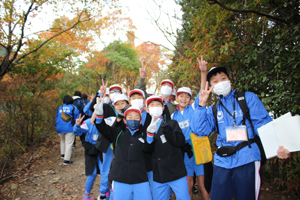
{"x":141,"y":92}
{"x":132,"y":109}
{"x":151,"y":98}
{"x":167,"y":81}
{"x":116,"y":86}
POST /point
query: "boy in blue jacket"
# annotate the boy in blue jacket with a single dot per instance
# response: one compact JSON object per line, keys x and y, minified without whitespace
{"x":234,"y":173}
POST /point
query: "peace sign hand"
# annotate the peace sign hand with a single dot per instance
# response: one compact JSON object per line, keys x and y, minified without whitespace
{"x":153,"y":125}
{"x":103,"y":88}
{"x":204,"y":94}
{"x":79,"y":120}
{"x":143,"y":70}
{"x":202,"y":64}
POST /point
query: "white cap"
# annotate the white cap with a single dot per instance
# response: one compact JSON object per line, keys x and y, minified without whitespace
{"x":173,"y":92}
{"x":115,"y":86}
{"x":120,"y":97}
{"x":151,"y":98}
{"x":150,"y":92}
{"x":184,"y":89}
{"x":167,"y":81}
{"x":132,"y":108}
{"x":141,"y":92}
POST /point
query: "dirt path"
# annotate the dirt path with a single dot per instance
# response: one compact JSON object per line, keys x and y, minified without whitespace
{"x":47,"y":178}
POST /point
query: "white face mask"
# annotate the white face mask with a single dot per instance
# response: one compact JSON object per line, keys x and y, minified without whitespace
{"x":155,"y":112}
{"x":139,"y":103}
{"x":106,"y":100}
{"x":112,"y":96}
{"x":222,"y":88}
{"x":166,"y":91}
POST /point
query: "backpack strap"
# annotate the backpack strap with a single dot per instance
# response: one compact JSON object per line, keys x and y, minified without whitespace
{"x":215,"y":112}
{"x":240,"y":97}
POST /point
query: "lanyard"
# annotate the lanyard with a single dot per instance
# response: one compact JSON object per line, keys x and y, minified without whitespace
{"x":114,"y":110}
{"x":233,"y":116}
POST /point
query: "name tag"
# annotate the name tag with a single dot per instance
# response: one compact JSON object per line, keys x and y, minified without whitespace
{"x":95,"y":137}
{"x":184,"y":124}
{"x":163,"y":138}
{"x":141,"y":140}
{"x":236,"y":133}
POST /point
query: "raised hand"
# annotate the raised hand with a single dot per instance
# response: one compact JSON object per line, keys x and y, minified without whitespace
{"x":79,"y":120}
{"x":92,"y":98}
{"x":99,"y":107}
{"x":202,"y":64}
{"x":143,"y":70}
{"x":153,"y":125}
{"x":204,"y":94}
{"x":128,"y":90}
{"x":103,"y":88}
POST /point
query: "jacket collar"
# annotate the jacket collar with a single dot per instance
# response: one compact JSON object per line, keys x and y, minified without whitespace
{"x":229,"y":96}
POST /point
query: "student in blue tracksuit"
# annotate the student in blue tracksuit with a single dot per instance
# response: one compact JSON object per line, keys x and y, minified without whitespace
{"x":65,"y":128}
{"x":238,"y":173}
{"x":184,"y":117}
{"x":165,"y":140}
{"x":93,"y":158}
{"x":128,"y":171}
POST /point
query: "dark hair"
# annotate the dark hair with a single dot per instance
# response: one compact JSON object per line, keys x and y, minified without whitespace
{"x":77,"y":93}
{"x":157,"y":101}
{"x":84,"y":96}
{"x":68,"y":99}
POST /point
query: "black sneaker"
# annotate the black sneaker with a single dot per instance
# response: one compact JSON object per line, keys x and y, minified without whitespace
{"x":62,"y":156}
{"x":195,"y":191}
{"x":68,"y":162}
{"x":101,"y":197}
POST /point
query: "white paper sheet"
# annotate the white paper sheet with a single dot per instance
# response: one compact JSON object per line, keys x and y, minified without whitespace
{"x":288,"y":133}
{"x":285,"y":131}
{"x":269,"y":140}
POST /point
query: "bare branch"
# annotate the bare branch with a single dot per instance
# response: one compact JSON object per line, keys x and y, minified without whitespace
{"x":163,"y":31}
{"x":22,"y":31}
{"x":148,"y":41}
{"x":249,"y":11}
{"x":79,"y":21}
{"x":4,"y":31}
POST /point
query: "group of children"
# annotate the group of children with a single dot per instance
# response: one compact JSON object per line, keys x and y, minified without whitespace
{"x":140,"y":142}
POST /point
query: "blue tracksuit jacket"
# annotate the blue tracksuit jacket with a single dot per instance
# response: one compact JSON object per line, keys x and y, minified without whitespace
{"x":62,"y":126}
{"x":203,"y":123}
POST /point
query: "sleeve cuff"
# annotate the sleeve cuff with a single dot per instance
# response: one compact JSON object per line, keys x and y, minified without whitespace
{"x":149,"y":139}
